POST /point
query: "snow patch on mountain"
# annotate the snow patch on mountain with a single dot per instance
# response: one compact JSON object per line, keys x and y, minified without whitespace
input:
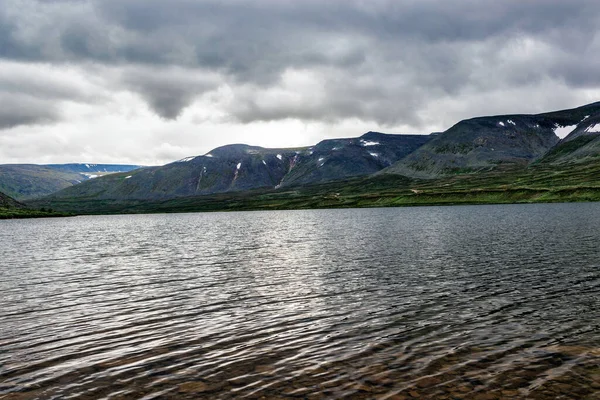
{"x":593,"y":128}
{"x":563,"y":131}
{"x":508,"y":121}
{"x":366,"y":143}
{"x":237,"y":172}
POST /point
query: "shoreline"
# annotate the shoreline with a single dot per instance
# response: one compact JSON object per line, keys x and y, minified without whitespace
{"x":245,"y":203}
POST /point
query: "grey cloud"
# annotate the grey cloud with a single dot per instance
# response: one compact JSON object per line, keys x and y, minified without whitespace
{"x":25,"y":110}
{"x":250,"y":35}
{"x":331,"y":100}
{"x":580,"y":74}
{"x":39,"y":83}
{"x":168,"y":91}
{"x":34,"y":94}
{"x":381,"y":60}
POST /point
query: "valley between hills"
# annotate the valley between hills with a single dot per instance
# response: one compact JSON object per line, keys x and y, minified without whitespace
{"x":519,"y":158}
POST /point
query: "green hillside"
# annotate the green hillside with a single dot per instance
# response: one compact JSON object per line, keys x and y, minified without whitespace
{"x":487,"y":142}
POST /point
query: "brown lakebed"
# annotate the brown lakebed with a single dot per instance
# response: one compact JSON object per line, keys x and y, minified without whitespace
{"x":486,"y":302}
{"x":555,"y":372}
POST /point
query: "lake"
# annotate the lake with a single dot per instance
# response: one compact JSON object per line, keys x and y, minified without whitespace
{"x":473,"y":302}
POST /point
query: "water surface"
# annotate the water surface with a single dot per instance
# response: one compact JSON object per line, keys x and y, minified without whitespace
{"x":474,"y":302}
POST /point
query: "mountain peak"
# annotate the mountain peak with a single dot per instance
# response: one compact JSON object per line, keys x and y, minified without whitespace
{"x":232,"y":150}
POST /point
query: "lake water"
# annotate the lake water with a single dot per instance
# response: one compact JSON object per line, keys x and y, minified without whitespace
{"x":474,"y":302}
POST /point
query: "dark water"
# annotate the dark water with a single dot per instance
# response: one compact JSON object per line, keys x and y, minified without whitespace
{"x":478,"y":302}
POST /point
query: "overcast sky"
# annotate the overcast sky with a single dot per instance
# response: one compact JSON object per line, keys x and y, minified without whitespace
{"x":152,"y":81}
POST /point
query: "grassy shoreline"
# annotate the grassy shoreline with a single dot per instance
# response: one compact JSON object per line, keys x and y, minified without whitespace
{"x":502,"y":185}
{"x":299,"y":202}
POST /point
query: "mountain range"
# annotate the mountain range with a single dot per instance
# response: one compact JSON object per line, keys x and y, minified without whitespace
{"x":241,"y":167}
{"x":494,"y":151}
{"x":472,"y":145}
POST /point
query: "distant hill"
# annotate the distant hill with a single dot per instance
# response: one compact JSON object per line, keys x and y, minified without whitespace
{"x":484,"y":143}
{"x":93,"y":169}
{"x":28,"y":181}
{"x":241,"y":167}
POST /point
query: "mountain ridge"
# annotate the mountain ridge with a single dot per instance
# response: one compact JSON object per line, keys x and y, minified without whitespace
{"x":239,"y":167}
{"x":499,"y":148}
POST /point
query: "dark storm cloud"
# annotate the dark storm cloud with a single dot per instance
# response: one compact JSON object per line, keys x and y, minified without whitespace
{"x":377,"y":60}
{"x":231,"y":34}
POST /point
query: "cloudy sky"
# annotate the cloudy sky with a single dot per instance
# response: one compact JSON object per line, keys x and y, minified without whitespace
{"x":153,"y":81}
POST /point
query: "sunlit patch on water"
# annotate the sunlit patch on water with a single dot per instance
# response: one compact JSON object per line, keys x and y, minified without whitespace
{"x":443,"y":302}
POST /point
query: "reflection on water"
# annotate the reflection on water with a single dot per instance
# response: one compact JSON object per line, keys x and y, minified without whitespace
{"x":442,"y":302}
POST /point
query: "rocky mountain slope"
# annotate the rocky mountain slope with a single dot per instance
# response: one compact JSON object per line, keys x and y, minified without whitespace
{"x":337,"y":159}
{"x":28,"y":181}
{"x":581,"y":145}
{"x":241,"y":167}
{"x":483,"y":143}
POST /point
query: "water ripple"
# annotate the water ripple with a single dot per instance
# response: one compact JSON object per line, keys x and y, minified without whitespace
{"x":437,"y":302}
